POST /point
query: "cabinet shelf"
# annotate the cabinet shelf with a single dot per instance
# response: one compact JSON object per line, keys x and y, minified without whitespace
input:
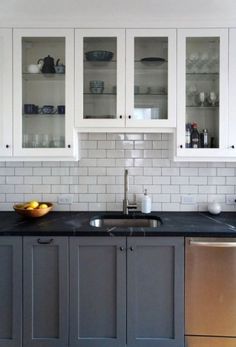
{"x":43,"y":77}
{"x":203,"y":107}
{"x":39,"y":115}
{"x":136,"y":94}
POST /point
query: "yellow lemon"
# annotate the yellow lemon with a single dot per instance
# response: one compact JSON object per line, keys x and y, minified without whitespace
{"x":43,"y":206}
{"x":33,"y":204}
{"x":29,"y":208}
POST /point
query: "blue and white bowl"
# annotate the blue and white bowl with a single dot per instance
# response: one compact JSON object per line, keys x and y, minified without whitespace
{"x":99,"y":55}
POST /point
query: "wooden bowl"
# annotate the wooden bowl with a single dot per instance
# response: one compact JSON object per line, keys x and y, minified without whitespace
{"x":35,"y":213}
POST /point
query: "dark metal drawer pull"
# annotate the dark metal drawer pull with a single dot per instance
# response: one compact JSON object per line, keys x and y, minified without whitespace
{"x":44,"y":242}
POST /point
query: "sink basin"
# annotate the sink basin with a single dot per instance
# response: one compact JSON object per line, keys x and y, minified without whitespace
{"x":126,"y":221}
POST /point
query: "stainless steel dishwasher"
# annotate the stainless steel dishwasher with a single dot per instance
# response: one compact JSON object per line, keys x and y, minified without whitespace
{"x":210,"y":292}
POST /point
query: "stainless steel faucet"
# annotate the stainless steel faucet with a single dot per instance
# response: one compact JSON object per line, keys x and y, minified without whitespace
{"x":126,"y":205}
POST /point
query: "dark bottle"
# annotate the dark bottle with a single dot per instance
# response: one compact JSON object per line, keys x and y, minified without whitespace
{"x":204,"y":138}
{"x":195,"y":143}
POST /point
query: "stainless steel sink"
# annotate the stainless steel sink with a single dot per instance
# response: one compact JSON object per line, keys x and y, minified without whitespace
{"x":126,"y":221}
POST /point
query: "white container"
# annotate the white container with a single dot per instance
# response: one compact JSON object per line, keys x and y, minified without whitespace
{"x":214,"y":207}
{"x":146,"y":204}
{"x":34,"y":68}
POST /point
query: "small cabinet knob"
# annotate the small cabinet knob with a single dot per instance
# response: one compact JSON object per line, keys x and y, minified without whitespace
{"x":131,"y":248}
{"x":129,"y":116}
{"x":232,"y":146}
{"x":122,"y":249}
{"x":69,"y":146}
{"x":181,"y":146}
{"x":121,"y":116}
{"x":7,"y":146}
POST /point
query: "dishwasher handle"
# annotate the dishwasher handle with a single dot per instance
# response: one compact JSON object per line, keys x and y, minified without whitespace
{"x":222,"y":244}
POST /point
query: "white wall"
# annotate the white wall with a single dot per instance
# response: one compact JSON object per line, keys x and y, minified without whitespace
{"x":113,"y":13}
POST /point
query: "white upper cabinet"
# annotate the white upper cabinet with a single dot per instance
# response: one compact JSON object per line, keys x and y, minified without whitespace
{"x":202,"y":94}
{"x":43,"y":68}
{"x":99,"y":78}
{"x":120,"y":85}
{"x":232,"y":92}
{"x":6,"y":93}
{"x":151,"y":78}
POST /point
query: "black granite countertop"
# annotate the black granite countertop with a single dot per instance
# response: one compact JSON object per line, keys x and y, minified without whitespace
{"x":77,"y":224}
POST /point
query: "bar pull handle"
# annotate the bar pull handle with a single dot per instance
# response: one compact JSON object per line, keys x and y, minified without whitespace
{"x":212,"y":244}
{"x":44,"y":242}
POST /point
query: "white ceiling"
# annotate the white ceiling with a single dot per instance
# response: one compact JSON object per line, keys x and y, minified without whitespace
{"x":116,"y":12}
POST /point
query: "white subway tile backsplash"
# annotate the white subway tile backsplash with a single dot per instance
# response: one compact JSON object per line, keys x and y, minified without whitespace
{"x":14,"y":180}
{"x":46,"y":188}
{"x":98,"y":171}
{"x":60,"y":171}
{"x":51,"y":180}
{"x":26,"y":188}
{"x":207,"y":189}
{"x":173,"y":189}
{"x":25,"y":171}
{"x":189,"y":189}
{"x":14,"y":198}
{"x":198,"y":180}
{"x":7,"y":171}
{"x":97,"y":179}
{"x":207,"y":172}
{"x":170,"y":171}
{"x":7,"y":188}
{"x":41,"y":171}
{"x":225,"y":172}
{"x":106,"y":145}
{"x":32,"y":179}
{"x":97,"y":188}
{"x":188,"y":172}
{"x":87,"y":179}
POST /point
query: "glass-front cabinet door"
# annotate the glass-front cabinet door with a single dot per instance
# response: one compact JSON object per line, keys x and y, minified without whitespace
{"x":5,"y":92}
{"x":150,"y":77}
{"x":99,"y":78}
{"x":202,"y":93}
{"x":43,"y":92}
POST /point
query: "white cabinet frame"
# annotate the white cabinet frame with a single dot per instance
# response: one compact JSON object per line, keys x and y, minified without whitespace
{"x":153,"y":123}
{"x":6,"y":141}
{"x":70,"y":150}
{"x":202,"y":154}
{"x":80,"y":122}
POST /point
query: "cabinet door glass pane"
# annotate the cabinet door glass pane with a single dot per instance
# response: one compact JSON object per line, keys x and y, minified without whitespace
{"x":43,"y":92}
{"x":202,"y":92}
{"x":150,"y":78}
{"x":100,"y":77}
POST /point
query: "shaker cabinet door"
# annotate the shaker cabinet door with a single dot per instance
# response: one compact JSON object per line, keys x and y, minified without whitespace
{"x":10,"y":291}
{"x":202,"y":94}
{"x":97,"y":292}
{"x":99,"y":78}
{"x":155,"y":292}
{"x":151,"y":78}
{"x":43,"y":93}
{"x":46,"y":297}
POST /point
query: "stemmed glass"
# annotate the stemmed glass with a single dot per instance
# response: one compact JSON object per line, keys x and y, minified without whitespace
{"x":202,"y":97}
{"x":212,"y":98}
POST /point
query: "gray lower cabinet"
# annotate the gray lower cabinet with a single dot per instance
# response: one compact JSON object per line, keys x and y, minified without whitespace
{"x":97,"y":291}
{"x":142,"y":307}
{"x":10,"y":291}
{"x":155,"y":292}
{"x":46,"y":294}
